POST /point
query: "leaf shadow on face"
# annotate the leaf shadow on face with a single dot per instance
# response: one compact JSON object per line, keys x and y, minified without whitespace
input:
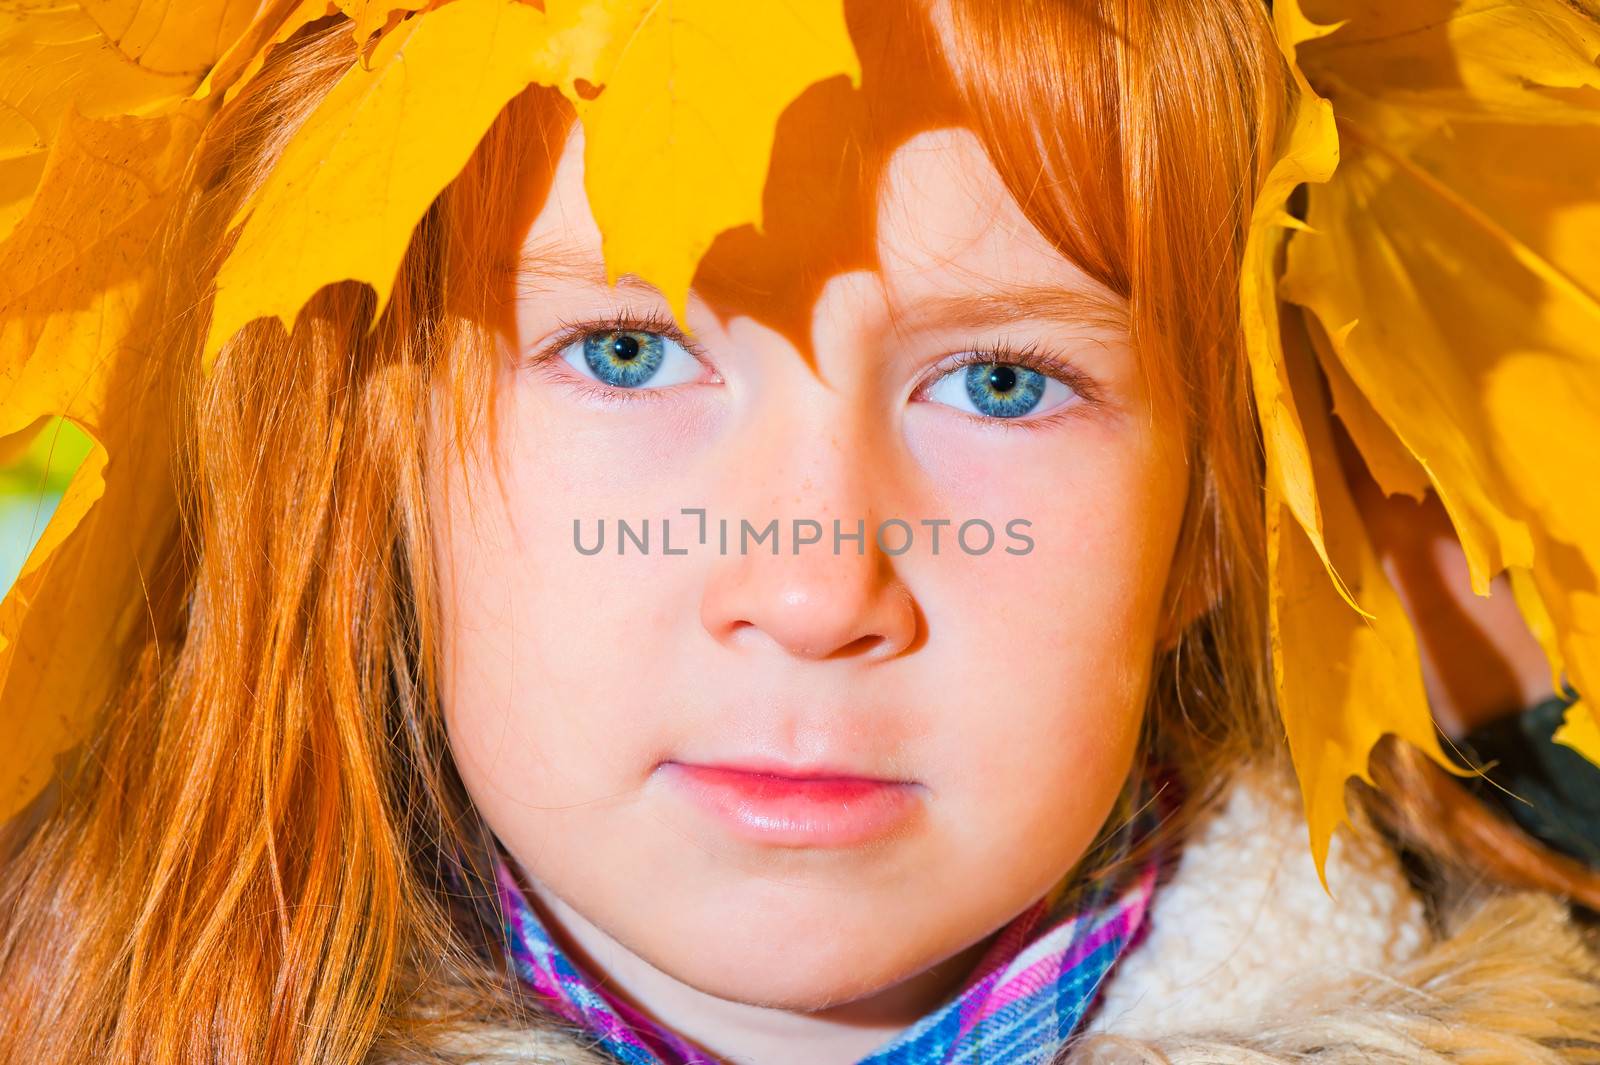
{"x":821,"y":202}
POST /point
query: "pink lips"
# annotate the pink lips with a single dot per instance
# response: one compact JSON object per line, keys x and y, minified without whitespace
{"x":795,"y":810}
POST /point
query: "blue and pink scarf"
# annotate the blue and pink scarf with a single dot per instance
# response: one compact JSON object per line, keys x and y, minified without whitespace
{"x":1021,"y":1004}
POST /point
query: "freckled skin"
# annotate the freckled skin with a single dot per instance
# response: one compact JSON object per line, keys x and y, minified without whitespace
{"x":1009,"y":687}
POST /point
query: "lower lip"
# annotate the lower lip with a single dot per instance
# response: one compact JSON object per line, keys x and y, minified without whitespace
{"x":798,"y":811}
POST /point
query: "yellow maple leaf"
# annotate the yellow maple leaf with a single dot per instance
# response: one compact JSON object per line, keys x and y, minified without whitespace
{"x":1344,"y":661}
{"x":75,"y":284}
{"x":1460,"y":297}
{"x":67,"y":618}
{"x":171,"y":36}
{"x":1391,"y":464}
{"x":1581,"y":731}
{"x":370,"y":16}
{"x":1451,"y":303}
{"x":244,"y":59}
{"x":1310,"y":154}
{"x":71,"y":278}
{"x":1344,"y":681}
{"x":84,"y":120}
{"x":34,"y":739}
{"x":55,"y":59}
{"x":354,"y":181}
{"x":676,"y":143}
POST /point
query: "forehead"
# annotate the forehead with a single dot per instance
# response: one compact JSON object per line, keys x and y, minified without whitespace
{"x":947,"y":223}
{"x":937,"y":221}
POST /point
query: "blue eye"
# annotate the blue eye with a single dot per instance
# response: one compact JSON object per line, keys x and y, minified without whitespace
{"x":1000,"y":390}
{"x":631,"y":358}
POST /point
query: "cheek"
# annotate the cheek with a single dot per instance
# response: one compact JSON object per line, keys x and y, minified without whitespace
{"x":1103,"y":501}
{"x":545,"y":648}
{"x":1053,"y":647}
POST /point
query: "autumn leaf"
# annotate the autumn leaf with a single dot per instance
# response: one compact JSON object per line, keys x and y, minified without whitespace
{"x":72,"y":277}
{"x":171,"y":36}
{"x":34,"y":739}
{"x":67,"y":619}
{"x":677,"y":142}
{"x":1310,"y":154}
{"x":280,"y":20}
{"x":93,"y":143}
{"x":56,"y":60}
{"x":1344,"y":681}
{"x":1344,"y":663}
{"x":1388,"y":460}
{"x":1450,"y":301}
{"x":1580,"y":731}
{"x":76,"y":282}
{"x":354,"y":181}
{"x":1443,"y":60}
{"x":370,"y":16}
{"x":1461,"y":298}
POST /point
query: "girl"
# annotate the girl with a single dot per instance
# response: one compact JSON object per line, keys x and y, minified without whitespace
{"x":868,"y":663}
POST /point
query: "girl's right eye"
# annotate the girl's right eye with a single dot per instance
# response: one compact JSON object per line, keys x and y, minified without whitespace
{"x":631,"y":358}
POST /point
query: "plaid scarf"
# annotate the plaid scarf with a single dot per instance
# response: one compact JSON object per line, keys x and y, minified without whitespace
{"x":1020,"y":1005}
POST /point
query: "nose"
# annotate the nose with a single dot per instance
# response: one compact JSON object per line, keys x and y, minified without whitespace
{"x":814,"y":604}
{"x":838,"y":597}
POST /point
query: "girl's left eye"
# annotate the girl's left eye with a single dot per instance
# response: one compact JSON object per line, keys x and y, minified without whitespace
{"x":631,"y":358}
{"x":1000,"y":390}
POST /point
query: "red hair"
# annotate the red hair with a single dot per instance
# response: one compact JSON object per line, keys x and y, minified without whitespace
{"x":264,"y":854}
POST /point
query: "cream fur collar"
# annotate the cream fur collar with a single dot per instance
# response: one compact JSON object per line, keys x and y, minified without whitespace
{"x":1245,"y":921}
{"x":1249,"y":962}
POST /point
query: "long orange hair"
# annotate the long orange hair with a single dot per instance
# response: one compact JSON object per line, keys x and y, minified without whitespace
{"x":264,"y":854}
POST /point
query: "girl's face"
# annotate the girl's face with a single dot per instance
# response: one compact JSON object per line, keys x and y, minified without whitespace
{"x":630,"y":722}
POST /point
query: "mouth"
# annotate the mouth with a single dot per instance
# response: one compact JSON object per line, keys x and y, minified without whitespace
{"x":787,"y":807}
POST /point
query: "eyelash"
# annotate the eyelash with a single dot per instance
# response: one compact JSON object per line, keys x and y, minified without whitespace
{"x":624,"y":321}
{"x":631,"y":321}
{"x":1033,"y":358}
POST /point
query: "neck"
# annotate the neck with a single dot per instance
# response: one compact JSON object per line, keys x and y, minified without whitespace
{"x":743,"y":1032}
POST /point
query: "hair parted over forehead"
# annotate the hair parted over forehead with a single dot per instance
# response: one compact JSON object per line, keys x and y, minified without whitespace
{"x":272,"y":785}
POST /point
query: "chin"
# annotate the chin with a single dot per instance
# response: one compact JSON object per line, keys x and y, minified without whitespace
{"x":801,"y":970}
{"x":772,"y":980}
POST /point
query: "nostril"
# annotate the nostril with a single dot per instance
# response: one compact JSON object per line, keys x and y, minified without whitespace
{"x":743,"y":633}
{"x":868,"y":645}
{"x":740,"y":633}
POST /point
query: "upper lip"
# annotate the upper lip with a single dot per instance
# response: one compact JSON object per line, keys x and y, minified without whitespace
{"x":779,"y":768}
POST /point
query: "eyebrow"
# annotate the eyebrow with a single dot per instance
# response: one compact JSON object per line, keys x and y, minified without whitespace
{"x":1057,"y":303}
{"x":560,"y":260}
